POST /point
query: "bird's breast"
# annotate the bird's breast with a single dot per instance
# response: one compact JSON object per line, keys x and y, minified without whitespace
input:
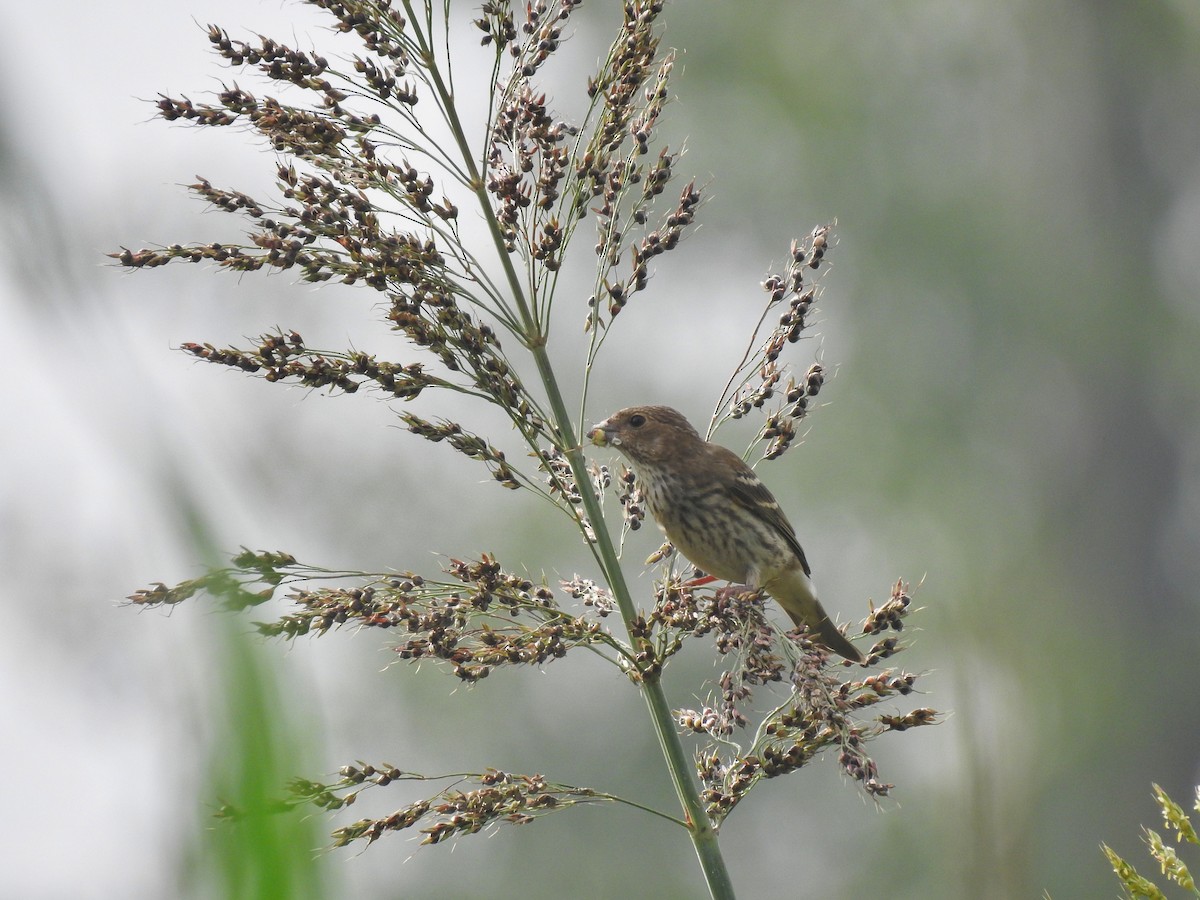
{"x":713,"y":531}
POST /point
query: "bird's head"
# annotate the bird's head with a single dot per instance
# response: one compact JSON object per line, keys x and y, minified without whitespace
{"x":646,"y":434}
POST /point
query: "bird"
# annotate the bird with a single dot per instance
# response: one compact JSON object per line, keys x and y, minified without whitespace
{"x":718,"y":513}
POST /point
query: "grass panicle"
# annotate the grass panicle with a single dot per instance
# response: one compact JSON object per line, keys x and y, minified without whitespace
{"x":375,"y":168}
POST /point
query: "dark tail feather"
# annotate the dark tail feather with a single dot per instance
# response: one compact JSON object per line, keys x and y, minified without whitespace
{"x":827,"y":635}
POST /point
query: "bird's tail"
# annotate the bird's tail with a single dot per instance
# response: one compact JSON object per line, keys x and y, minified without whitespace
{"x":827,"y":634}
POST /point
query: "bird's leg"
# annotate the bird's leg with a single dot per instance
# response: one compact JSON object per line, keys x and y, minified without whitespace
{"x":730,"y":590}
{"x":733,"y":589}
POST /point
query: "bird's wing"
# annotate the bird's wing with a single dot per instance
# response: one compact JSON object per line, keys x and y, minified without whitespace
{"x":750,"y":492}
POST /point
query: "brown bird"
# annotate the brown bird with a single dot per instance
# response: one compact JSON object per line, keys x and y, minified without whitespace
{"x":718,"y":513}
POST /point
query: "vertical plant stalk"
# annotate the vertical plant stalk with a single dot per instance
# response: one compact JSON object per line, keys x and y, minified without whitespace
{"x":700,"y":828}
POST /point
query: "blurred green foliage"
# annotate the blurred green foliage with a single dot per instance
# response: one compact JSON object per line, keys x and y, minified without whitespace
{"x":1019,"y":412}
{"x":256,"y":742}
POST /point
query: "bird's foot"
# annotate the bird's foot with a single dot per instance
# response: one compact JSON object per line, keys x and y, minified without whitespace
{"x":731,"y":591}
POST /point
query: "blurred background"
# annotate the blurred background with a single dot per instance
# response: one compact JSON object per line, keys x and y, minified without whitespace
{"x":1013,"y":317}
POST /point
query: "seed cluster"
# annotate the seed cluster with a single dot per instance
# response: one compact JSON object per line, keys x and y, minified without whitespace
{"x":284,"y":357}
{"x":630,"y":498}
{"x":617,"y":168}
{"x":485,"y":618}
{"x":759,"y":378}
{"x":591,"y":594}
{"x":560,"y":482}
{"x":466,"y":443}
{"x":742,"y":634}
{"x":527,"y":162}
{"x":891,"y":614}
{"x":500,"y":798}
{"x":265,"y":570}
{"x":820,"y":713}
{"x":545,"y":175}
{"x":559,"y":477}
{"x":353,"y":209}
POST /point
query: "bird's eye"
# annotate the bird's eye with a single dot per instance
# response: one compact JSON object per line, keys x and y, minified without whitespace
{"x":637,"y":421}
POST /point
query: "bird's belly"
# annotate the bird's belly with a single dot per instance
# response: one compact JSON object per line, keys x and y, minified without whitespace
{"x":741,"y":555}
{"x":708,"y":558}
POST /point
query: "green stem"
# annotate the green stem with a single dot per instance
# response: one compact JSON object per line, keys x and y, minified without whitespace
{"x":703,"y":835}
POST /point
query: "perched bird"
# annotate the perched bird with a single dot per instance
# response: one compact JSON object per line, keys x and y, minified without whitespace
{"x":717,"y":513}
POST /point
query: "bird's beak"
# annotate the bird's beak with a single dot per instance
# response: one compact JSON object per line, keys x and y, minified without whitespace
{"x":599,"y":434}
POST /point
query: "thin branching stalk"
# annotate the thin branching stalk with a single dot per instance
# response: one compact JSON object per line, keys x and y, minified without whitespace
{"x":357,"y":208}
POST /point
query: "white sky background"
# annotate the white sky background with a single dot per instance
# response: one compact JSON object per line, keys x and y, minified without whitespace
{"x":94,"y":746}
{"x":98,"y":742}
